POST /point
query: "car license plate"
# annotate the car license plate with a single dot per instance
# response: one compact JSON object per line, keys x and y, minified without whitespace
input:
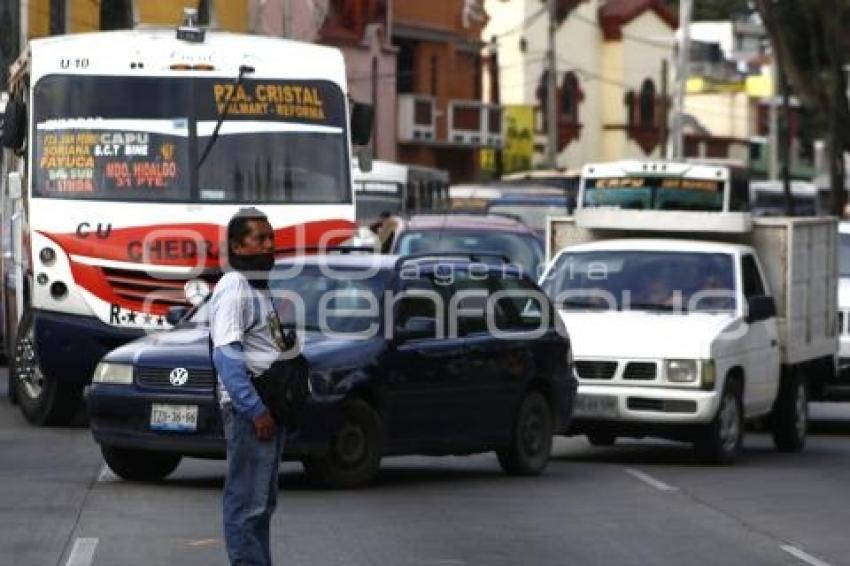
{"x":177,"y":418}
{"x":604,"y":406}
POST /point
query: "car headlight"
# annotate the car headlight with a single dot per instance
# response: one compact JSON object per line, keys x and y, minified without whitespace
{"x":113,"y":373}
{"x":681,"y":371}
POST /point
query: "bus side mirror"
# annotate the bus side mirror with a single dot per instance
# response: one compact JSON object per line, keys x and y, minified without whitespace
{"x":14,"y":184}
{"x":14,"y":125}
{"x":364,"y":159}
{"x":362,"y":123}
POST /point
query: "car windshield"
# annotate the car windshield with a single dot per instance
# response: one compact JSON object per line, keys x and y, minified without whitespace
{"x":844,"y":255}
{"x":642,"y":280}
{"x":522,"y":250}
{"x":328,"y":299}
{"x":281,"y":142}
{"x":661,"y":193}
{"x":533,"y":215}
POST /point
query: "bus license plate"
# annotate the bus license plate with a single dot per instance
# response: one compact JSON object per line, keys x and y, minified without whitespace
{"x":176,"y":418}
{"x":595,"y":406}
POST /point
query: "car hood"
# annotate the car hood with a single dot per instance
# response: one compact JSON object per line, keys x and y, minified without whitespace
{"x":642,"y":334}
{"x":190,"y":347}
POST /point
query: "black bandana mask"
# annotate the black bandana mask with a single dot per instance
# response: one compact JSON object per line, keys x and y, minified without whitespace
{"x":255,"y":267}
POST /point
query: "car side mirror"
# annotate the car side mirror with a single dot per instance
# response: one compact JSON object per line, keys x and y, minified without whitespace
{"x":416,"y":327}
{"x":14,"y":125}
{"x":760,"y":308}
{"x":176,"y":314}
{"x":362,"y":123}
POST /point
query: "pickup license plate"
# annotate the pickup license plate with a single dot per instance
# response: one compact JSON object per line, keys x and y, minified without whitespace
{"x":176,"y":418}
{"x":595,"y":406}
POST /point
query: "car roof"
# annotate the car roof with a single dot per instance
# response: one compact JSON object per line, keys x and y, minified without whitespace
{"x":477,"y":222}
{"x":659,"y":244}
{"x":342,"y":260}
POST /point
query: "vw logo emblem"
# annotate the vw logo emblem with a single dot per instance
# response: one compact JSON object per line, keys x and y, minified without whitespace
{"x":179,"y":377}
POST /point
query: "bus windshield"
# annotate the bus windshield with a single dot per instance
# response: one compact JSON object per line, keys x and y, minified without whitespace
{"x":140,"y":138}
{"x":377,"y":197}
{"x":658,"y":193}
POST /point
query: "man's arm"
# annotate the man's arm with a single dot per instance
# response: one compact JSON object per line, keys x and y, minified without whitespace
{"x":229,"y":361}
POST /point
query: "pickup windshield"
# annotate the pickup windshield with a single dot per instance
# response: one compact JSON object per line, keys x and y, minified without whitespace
{"x":139,"y":139}
{"x":659,"y":193}
{"x":642,"y":280}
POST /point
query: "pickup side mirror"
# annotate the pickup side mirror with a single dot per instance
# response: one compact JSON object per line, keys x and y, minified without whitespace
{"x":14,"y":125}
{"x":176,"y":314}
{"x":362,"y":123}
{"x":760,"y":308}
{"x":416,"y":327}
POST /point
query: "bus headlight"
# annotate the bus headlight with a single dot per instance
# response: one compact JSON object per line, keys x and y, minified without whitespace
{"x":113,"y":373}
{"x":681,"y":371}
{"x":47,"y":256}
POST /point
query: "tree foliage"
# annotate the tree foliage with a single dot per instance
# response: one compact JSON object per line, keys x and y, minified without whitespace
{"x":810,"y":44}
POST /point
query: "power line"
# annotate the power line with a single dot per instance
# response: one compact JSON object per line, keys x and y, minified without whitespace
{"x":630,"y":37}
{"x":523,"y":24}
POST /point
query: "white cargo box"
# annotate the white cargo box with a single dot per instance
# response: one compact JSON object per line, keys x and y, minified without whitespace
{"x":799,"y":256}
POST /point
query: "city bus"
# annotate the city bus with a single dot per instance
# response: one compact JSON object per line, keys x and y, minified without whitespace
{"x":126,"y":153}
{"x":398,"y":189}
{"x":663,"y":185}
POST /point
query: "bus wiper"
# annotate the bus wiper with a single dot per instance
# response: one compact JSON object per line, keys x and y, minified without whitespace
{"x":243,"y":70}
{"x":658,"y":307}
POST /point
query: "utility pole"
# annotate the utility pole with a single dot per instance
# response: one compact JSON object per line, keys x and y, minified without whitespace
{"x":287,"y":18}
{"x":685,"y":7}
{"x":785,"y":141}
{"x":665,"y":109}
{"x":551,"y":90}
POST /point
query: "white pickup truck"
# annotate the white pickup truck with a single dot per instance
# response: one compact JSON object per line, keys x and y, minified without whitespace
{"x":684,"y":333}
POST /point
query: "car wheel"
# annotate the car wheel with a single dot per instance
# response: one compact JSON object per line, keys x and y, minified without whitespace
{"x":531,"y":438}
{"x":789,"y":421}
{"x":601,"y":439}
{"x":139,"y":465}
{"x":720,"y":442}
{"x":43,"y":400}
{"x":354,"y":452}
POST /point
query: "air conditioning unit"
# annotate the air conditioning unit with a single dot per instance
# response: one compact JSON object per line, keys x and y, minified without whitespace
{"x":417,"y":118}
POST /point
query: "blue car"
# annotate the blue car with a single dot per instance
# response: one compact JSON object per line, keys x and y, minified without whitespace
{"x":414,"y":355}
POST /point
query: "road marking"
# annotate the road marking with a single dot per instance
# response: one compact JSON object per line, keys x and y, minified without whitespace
{"x":649,"y":480}
{"x":82,"y":554}
{"x":804,"y":556}
{"x":105,"y":475}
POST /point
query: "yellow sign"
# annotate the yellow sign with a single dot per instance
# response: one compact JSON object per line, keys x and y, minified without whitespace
{"x":519,"y":138}
{"x":285,"y":101}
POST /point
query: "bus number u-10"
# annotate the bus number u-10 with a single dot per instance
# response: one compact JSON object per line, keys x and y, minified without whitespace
{"x":82,"y":63}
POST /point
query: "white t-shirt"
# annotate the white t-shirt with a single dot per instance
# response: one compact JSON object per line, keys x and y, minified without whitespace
{"x":241,"y":313}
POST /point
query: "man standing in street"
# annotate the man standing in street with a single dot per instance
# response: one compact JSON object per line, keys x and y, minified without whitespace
{"x":241,"y":320}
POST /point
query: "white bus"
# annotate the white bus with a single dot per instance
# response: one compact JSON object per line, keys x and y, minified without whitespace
{"x":397,"y":188}
{"x":127,"y":153}
{"x":662,"y":185}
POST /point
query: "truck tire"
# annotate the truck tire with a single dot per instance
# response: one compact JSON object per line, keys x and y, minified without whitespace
{"x":789,"y":420}
{"x":720,"y":442}
{"x":43,"y":399}
{"x":531,"y":438}
{"x":354,"y":452}
{"x":140,"y":465}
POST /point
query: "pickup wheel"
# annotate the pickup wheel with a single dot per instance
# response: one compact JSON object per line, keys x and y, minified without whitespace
{"x":139,"y":465}
{"x":789,"y":420}
{"x":354,"y":452}
{"x":720,"y":442}
{"x":531,"y":438}
{"x":43,"y":399}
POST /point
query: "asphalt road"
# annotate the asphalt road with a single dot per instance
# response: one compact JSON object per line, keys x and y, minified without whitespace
{"x":638,"y":503}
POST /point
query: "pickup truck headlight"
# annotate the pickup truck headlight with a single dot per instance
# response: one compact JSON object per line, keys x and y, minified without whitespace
{"x":681,"y":371}
{"x":113,"y":373}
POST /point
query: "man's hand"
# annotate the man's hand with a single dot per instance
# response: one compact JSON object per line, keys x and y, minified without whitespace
{"x":264,"y":426}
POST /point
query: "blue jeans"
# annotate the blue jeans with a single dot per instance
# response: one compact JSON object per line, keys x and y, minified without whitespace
{"x":250,"y":490}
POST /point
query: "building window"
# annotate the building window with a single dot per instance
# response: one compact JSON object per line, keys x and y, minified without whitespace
{"x":116,"y":14}
{"x":435,"y":70}
{"x":570,"y":97}
{"x":647,"y":104}
{"x":405,"y":66}
{"x":58,"y":17}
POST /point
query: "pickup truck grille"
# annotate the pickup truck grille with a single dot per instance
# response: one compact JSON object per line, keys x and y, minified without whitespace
{"x":596,"y":370}
{"x":640,"y":371}
{"x":160,"y":378}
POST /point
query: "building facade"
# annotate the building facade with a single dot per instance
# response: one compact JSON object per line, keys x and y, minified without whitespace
{"x":610,"y":79}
